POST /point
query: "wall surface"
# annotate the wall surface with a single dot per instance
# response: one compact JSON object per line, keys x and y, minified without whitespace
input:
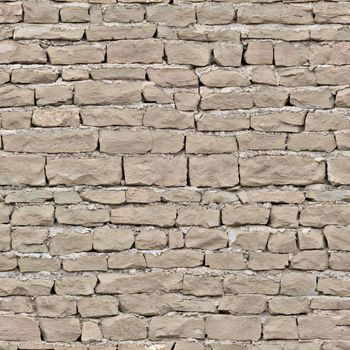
{"x":175,"y":175}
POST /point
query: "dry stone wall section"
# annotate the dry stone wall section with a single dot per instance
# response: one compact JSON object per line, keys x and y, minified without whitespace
{"x":175,"y":175}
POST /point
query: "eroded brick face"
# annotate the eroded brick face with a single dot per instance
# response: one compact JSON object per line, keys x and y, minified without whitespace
{"x":174,"y":175}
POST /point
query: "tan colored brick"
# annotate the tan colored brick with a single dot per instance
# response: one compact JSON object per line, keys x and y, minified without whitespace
{"x":87,"y":171}
{"x":135,"y":51}
{"x":224,"y":327}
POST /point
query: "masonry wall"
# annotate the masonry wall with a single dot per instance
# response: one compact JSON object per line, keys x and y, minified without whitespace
{"x":175,"y":175}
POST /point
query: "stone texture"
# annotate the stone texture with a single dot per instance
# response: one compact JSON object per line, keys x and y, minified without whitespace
{"x":70,"y":171}
{"x":281,"y":170}
{"x":174,"y":175}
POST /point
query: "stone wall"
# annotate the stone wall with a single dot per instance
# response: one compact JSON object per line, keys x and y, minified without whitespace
{"x":175,"y":175}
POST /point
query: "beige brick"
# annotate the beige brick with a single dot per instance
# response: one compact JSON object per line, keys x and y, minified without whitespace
{"x":310,"y":260}
{"x":126,"y":260}
{"x":5,"y":237}
{"x":171,"y":15}
{"x":75,"y":285}
{"x":7,"y":263}
{"x":70,"y":242}
{"x":56,"y":117}
{"x":254,"y":141}
{"x":278,"y":121}
{"x":53,"y":95}
{"x":27,"y":328}
{"x":102,"y":93}
{"x":282,"y":170}
{"x":175,"y":258}
{"x":259,"y":53}
{"x":245,"y":214}
{"x":249,"y":240}
{"x":183,"y":52}
{"x":40,"y":12}
{"x":224,"y":78}
{"x":158,"y":215}
{"x":267,"y":261}
{"x":274,"y":13}
{"x":333,"y":286}
{"x":12,"y":52}
{"x":12,"y":96}
{"x":338,"y":170}
{"x":33,"y":216}
{"x":225,"y":261}
{"x":206,"y":238}
{"x":224,"y":327}
{"x":34,"y":264}
{"x":98,"y":306}
{"x":280,"y":327}
{"x":10,"y":12}
{"x":33,"y":287}
{"x":329,"y":13}
{"x":76,"y":54}
{"x":149,"y":282}
{"x":243,"y":304}
{"x":109,"y":239}
{"x":198,"y":216}
{"x":327,"y":120}
{"x":68,"y":141}
{"x":16,"y":120}
{"x":297,"y":77}
{"x":289,"y":305}
{"x":84,"y":171}
{"x":34,"y":75}
{"x":227,"y":100}
{"x":328,"y":214}
{"x":161,"y":118}
{"x":172,"y":77}
{"x":124,"y":327}
{"x":135,"y":51}
{"x":85,"y":263}
{"x":82,"y":216}
{"x":176,"y":327}
{"x":48,"y":32}
{"x":283,"y":242}
{"x":155,"y":170}
{"x":28,"y":239}
{"x":103,"y":196}
{"x":214,"y":122}
{"x":339,"y":261}
{"x":120,"y":32}
{"x":298,"y":284}
{"x":55,"y":306}
{"x":291,"y":54}
{"x":74,"y":14}
{"x":151,"y":239}
{"x":251,"y":285}
{"x":337,"y":54}
{"x":227,"y":54}
{"x":212,"y":15}
{"x":203,"y":171}
{"x":64,"y":329}
{"x":118,"y":13}
{"x":310,"y":238}
{"x":202,"y":286}
{"x":311,"y":142}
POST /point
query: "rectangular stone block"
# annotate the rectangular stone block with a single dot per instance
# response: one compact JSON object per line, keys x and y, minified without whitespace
{"x":63,"y":141}
{"x":82,"y":216}
{"x":156,"y":170}
{"x":223,"y":327}
{"x":281,"y":170}
{"x":158,"y":215}
{"x":84,"y":171}
{"x":103,"y":93}
{"x":135,"y":51}
{"x":22,"y":170}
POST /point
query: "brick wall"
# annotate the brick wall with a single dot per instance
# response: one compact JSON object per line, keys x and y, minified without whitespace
{"x":175,"y":175}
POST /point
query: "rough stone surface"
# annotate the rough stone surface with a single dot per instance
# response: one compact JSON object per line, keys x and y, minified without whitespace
{"x":174,"y":175}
